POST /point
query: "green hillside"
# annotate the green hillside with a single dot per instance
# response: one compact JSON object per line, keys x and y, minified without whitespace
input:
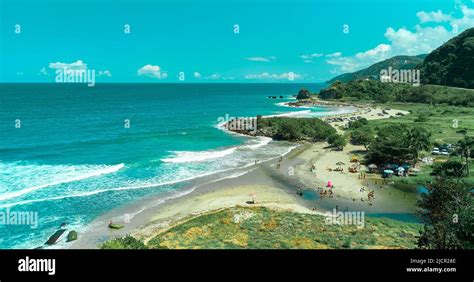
{"x":452,"y":63}
{"x":373,"y":72}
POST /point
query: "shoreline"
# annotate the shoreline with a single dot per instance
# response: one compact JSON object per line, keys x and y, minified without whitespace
{"x":274,"y":188}
{"x":222,"y":193}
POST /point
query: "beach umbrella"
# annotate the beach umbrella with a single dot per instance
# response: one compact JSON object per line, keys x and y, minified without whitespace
{"x":388,"y":171}
{"x":372,"y":166}
{"x":329,"y":183}
{"x":400,"y":169}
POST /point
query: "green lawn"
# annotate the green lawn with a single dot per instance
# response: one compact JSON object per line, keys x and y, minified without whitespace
{"x":440,"y":120}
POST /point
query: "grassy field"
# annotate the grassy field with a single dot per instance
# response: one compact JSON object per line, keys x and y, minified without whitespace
{"x":263,"y":228}
{"x":439,"y":120}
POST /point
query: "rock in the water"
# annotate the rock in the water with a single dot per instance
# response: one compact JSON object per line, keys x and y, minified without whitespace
{"x":71,"y":236}
{"x":55,"y":237}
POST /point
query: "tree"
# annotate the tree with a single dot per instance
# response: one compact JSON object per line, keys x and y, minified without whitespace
{"x":448,"y":215}
{"x":288,"y":131}
{"x":357,"y":123}
{"x":391,"y":145}
{"x":418,"y":140}
{"x":449,"y":169}
{"x":303,"y":94}
{"x":464,"y":149}
{"x":337,"y":141}
{"x":335,"y":91}
{"x":362,"y":136}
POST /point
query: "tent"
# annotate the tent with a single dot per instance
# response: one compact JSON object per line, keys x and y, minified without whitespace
{"x":387,"y":173}
{"x":372,"y":167}
{"x":406,"y":166}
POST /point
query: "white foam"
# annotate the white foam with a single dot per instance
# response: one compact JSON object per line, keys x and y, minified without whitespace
{"x":262,"y":141}
{"x":102,"y":171}
{"x":197,"y":156}
{"x":95,"y":192}
{"x":289,"y":114}
{"x":285,"y":104}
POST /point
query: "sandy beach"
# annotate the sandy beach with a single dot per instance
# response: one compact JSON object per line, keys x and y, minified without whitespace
{"x":272,"y":187}
{"x":273,"y":184}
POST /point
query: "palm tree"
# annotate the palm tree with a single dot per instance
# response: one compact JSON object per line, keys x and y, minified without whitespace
{"x":464,"y":149}
{"x":418,"y":139}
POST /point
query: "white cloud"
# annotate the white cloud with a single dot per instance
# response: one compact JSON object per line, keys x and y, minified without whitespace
{"x":261,"y":59}
{"x":152,"y":71}
{"x":78,"y":65}
{"x":213,"y":76}
{"x":467,"y":21}
{"x":105,"y":73}
{"x":352,"y":63}
{"x":345,"y":64}
{"x":420,"y":39}
{"x":436,"y":17}
{"x":377,"y":53}
{"x":310,"y":56}
{"x":273,"y":76}
{"x":333,"y":55}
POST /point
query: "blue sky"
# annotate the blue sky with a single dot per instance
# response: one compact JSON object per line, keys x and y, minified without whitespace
{"x":276,"y":39}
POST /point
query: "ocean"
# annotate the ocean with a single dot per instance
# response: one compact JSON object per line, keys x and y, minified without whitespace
{"x":70,"y":153}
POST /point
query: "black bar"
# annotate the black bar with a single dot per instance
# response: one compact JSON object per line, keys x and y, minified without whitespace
{"x":289,"y":265}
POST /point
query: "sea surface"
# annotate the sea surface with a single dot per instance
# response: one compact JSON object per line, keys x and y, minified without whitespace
{"x":70,"y":153}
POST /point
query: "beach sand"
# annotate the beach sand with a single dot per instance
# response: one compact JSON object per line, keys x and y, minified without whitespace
{"x":274,"y":183}
{"x":273,"y":187}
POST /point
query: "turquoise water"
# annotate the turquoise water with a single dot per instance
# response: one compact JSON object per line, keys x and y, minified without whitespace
{"x":72,"y":157}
